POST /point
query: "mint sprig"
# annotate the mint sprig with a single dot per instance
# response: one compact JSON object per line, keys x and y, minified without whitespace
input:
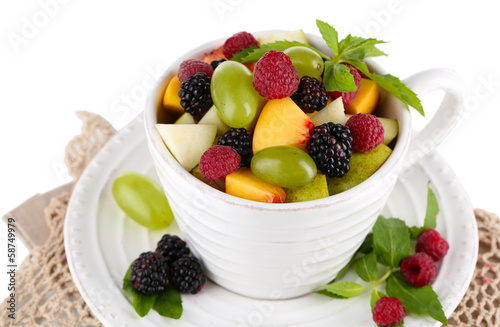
{"x":387,"y":246}
{"x":253,"y":53}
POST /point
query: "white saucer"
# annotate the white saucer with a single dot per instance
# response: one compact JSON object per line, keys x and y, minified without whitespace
{"x":101,"y":242}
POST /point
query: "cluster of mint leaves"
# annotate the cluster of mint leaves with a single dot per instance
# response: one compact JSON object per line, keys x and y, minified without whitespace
{"x":167,"y":303}
{"x":351,"y":50}
{"x":385,"y":247}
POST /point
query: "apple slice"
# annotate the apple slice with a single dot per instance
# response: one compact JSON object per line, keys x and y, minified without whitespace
{"x":391,"y":128}
{"x":186,"y":118}
{"x":362,"y":166}
{"x":282,"y":122}
{"x":317,"y":189}
{"x":212,"y":118}
{"x":187,"y":142}
{"x":297,"y":35}
{"x":333,"y":112}
{"x":171,"y":99}
{"x":244,"y":184}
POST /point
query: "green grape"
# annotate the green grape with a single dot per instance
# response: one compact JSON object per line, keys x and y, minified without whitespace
{"x":284,"y":166}
{"x":143,"y":200}
{"x":233,"y":94}
{"x":306,"y":61}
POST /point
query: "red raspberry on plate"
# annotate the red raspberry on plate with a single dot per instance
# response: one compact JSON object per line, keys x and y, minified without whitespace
{"x":218,"y":162}
{"x":388,"y":312}
{"x":431,"y":242}
{"x":418,"y":269}
{"x":367,"y":132}
{"x":274,"y":76}
{"x":238,"y":42}
{"x":348,"y":97}
{"x":192,"y":66}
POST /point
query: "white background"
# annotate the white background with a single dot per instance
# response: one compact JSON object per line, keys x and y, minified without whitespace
{"x":58,"y":57}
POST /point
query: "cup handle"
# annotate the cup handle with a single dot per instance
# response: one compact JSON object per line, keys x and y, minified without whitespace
{"x":447,"y":115}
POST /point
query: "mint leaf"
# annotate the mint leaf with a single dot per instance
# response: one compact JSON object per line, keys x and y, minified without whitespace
{"x":330,"y":36}
{"x":419,"y":300}
{"x":415,"y":232}
{"x":332,"y":295}
{"x":143,"y":303}
{"x":432,"y":209}
{"x":337,"y":77}
{"x":344,"y":289}
{"x":253,"y":54}
{"x":358,"y":48}
{"x":367,"y":245}
{"x":392,"y":85}
{"x":366,"y":267}
{"x":375,"y":296}
{"x":169,"y":303}
{"x":391,"y":241}
{"x":344,"y":270}
{"x":127,"y":287}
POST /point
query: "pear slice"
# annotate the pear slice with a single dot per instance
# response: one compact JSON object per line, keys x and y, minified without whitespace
{"x":297,"y":35}
{"x":219,"y":185}
{"x":362,"y":166}
{"x":186,"y":118}
{"x":333,"y":112}
{"x":391,"y":128}
{"x":317,"y":189}
{"x":212,"y":118}
{"x":187,"y":142}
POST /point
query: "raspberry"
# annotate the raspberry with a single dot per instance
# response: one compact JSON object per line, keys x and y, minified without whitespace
{"x":274,"y":76}
{"x":192,"y":66}
{"x":216,"y":63}
{"x":388,"y":312}
{"x":195,"y":95}
{"x":418,"y":269}
{"x":218,"y":162}
{"x":238,"y":42}
{"x":187,"y":275}
{"x":431,"y":242}
{"x":348,"y":97}
{"x":172,"y":247}
{"x":149,"y":273}
{"x":311,"y":95}
{"x":367,"y":132}
{"x":241,"y":141}
{"x":330,"y":148}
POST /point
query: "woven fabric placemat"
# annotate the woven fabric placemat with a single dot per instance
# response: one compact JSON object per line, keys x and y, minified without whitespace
{"x":47,"y":296}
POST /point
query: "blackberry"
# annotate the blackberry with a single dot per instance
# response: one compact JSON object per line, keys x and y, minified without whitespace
{"x":187,"y":276}
{"x":216,"y":63}
{"x":172,"y":247}
{"x":330,"y":148}
{"x":149,"y":273}
{"x":311,"y":95}
{"x":241,"y":141}
{"x":195,"y":95}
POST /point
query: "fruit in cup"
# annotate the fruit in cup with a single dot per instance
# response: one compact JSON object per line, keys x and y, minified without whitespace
{"x":212,"y":118}
{"x":333,"y":112}
{"x":391,"y":127}
{"x":187,"y":142}
{"x":244,"y":184}
{"x":297,"y":35}
{"x":316,"y":189}
{"x":282,"y":122}
{"x":284,"y":166}
{"x":366,"y":100}
{"x":186,"y":118}
{"x":307,"y":62}
{"x":171,"y":99}
{"x":233,"y":95}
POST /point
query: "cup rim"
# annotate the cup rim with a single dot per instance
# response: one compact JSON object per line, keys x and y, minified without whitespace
{"x":159,"y":149}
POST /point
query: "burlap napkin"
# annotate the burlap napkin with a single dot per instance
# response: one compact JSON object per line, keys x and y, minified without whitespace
{"x":47,"y":296}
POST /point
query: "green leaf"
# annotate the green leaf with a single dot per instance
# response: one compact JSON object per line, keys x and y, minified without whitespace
{"x":432,"y":209}
{"x":375,"y":296}
{"x":253,"y":54}
{"x":367,"y":245}
{"x":325,"y":292}
{"x":366,"y":267}
{"x":128,"y":288}
{"x":391,"y":241}
{"x":330,"y":36}
{"x":358,"y":48}
{"x":392,"y":85}
{"x":337,"y":77}
{"x":419,"y":300}
{"x":344,"y":289}
{"x":143,"y":303}
{"x":169,"y":303}
{"x":415,"y":232}
{"x":344,"y":270}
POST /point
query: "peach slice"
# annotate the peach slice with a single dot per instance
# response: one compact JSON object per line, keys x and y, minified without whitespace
{"x":244,"y":184}
{"x":282,"y":122}
{"x":171,"y":99}
{"x":366,"y":100}
{"x":214,"y":55}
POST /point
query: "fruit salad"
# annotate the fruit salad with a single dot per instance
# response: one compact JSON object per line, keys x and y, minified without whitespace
{"x":273,"y":119}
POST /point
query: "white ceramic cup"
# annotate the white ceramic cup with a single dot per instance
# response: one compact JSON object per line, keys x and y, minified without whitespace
{"x":280,"y":251}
